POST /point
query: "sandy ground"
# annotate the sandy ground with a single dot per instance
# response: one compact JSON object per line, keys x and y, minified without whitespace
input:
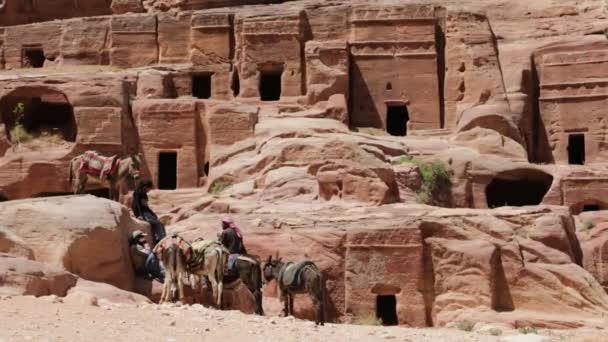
{"x":49,"y":319}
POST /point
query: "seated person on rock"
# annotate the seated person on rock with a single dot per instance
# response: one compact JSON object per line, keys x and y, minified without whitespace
{"x":143,"y":259}
{"x":142,"y":210}
{"x":232,"y":239}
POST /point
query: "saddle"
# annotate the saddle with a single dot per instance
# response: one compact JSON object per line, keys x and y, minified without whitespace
{"x":93,"y":163}
{"x":198,"y":252}
{"x":291,"y":274}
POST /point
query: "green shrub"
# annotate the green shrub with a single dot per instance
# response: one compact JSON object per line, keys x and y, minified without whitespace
{"x":217,"y":187}
{"x":367,"y":319}
{"x":465,"y":325}
{"x":19,"y":134}
{"x":495,"y":332}
{"x":588,"y":225}
{"x":527,"y":330}
{"x":406,"y":158}
{"x":435,"y":180}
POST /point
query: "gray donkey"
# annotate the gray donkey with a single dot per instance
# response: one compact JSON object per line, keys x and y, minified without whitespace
{"x":120,"y":170}
{"x":296,"y":278}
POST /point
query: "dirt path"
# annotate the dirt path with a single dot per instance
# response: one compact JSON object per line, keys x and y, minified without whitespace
{"x":46,"y":319}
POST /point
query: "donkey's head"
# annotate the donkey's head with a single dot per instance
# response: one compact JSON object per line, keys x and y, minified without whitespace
{"x":134,"y":165}
{"x":272,"y":268}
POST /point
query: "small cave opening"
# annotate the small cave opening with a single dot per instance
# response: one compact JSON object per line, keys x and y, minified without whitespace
{"x":386,"y":310}
{"x":201,"y":86}
{"x":397,"y":117}
{"x":38,"y":113}
{"x":591,"y":207}
{"x":167,"y":170}
{"x":576,"y":149}
{"x":518,"y":189}
{"x":270,"y":85}
{"x":3,"y":198}
{"x":32,"y":57}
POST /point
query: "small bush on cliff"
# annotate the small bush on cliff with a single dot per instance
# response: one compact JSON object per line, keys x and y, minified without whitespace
{"x":527,"y":330}
{"x":367,"y":319}
{"x":18,"y":132}
{"x":465,"y":325}
{"x":435,"y":180}
{"x":588,"y":225}
{"x":217,"y":187}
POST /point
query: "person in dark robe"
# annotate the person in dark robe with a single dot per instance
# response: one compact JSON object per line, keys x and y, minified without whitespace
{"x":142,"y":210}
{"x":232,"y":239}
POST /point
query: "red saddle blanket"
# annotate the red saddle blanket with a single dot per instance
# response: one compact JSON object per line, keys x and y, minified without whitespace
{"x":95,"y":164}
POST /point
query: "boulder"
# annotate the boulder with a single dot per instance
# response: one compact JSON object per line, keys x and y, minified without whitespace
{"x":409,"y":181}
{"x":86,"y":290}
{"x":594,"y":244}
{"x":12,"y":244}
{"x":86,"y":235}
{"x":19,"y":276}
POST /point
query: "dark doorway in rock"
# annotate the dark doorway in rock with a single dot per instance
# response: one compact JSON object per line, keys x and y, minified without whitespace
{"x":270,"y":85}
{"x":167,"y":170}
{"x":206,"y":169}
{"x":386,"y":310}
{"x":32,"y":57}
{"x":576,"y":149}
{"x":201,"y":86}
{"x":3,"y":198}
{"x":396,"y":119}
{"x":235,"y":85}
{"x":591,"y":207}
{"x":507,"y":192}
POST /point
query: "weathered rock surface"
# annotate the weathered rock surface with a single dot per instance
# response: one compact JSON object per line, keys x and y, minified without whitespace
{"x":84,"y":234}
{"x":19,"y":276}
{"x":508,"y":265}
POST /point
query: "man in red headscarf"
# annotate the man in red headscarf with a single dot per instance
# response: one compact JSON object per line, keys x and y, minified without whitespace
{"x":231,"y":237}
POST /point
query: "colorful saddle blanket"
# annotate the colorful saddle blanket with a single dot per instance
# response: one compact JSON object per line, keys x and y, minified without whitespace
{"x":95,"y":164}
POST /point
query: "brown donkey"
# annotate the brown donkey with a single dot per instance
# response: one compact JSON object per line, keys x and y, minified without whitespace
{"x":115,"y":176}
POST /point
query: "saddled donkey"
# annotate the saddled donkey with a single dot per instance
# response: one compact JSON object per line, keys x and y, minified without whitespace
{"x":296,"y":278}
{"x":114,"y":174}
{"x":249,"y":270}
{"x":170,"y":252}
{"x":207,"y":258}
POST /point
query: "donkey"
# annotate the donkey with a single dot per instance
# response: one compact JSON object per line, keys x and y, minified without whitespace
{"x":126,"y":167}
{"x":170,"y":252}
{"x":207,"y":258}
{"x":292,"y":279}
{"x":249,"y":270}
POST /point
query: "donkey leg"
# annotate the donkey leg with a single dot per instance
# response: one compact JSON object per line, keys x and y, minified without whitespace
{"x":290,"y":304}
{"x":257,"y":294}
{"x":180,"y":287}
{"x":214,"y":288}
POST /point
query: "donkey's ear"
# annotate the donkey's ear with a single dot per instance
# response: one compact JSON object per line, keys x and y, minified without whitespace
{"x":269,"y":260}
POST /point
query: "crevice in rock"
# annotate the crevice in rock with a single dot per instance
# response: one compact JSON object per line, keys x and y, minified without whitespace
{"x":501,"y":294}
{"x":497,"y":52}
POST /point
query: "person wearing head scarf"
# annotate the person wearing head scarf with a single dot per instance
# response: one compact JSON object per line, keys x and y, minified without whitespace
{"x":143,"y":259}
{"x":142,"y":211}
{"x":231,"y":237}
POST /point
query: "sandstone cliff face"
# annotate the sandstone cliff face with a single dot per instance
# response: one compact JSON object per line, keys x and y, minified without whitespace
{"x":320,"y":125}
{"x":442,"y":266}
